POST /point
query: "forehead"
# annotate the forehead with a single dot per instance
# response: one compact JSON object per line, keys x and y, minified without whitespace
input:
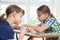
{"x":39,"y":12}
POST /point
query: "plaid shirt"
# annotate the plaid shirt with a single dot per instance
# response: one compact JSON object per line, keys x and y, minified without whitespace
{"x":53,"y":23}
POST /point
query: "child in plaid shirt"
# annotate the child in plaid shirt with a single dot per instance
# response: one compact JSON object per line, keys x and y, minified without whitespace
{"x":48,"y":22}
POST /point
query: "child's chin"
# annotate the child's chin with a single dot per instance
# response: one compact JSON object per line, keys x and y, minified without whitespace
{"x":40,"y":20}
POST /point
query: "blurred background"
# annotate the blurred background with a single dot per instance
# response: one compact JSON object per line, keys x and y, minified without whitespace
{"x":30,"y":7}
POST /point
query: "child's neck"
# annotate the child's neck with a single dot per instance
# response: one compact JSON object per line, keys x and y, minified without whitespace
{"x":10,"y":22}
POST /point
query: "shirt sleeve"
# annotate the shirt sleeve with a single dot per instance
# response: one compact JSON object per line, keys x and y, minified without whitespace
{"x":50,"y":21}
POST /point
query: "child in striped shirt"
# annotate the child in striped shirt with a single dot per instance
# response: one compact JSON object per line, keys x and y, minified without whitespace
{"x":48,"y":22}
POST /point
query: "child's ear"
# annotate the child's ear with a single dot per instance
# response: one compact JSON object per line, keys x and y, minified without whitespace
{"x":14,"y":13}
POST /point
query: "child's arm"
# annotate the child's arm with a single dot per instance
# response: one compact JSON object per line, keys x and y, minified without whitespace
{"x":23,"y":32}
{"x":16,"y":27}
{"x":39,"y":28}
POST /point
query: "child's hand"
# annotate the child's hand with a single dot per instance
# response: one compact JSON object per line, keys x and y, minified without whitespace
{"x":27,"y":25}
{"x":16,"y":26}
{"x":22,"y":33}
{"x":29,"y":28}
{"x":23,"y":30}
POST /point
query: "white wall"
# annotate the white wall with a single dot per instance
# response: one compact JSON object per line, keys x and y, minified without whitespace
{"x":57,"y":9}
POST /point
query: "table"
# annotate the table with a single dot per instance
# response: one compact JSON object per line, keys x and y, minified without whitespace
{"x":42,"y":35}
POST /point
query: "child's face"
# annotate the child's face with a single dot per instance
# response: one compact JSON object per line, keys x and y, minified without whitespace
{"x":42,"y":16}
{"x":18,"y":17}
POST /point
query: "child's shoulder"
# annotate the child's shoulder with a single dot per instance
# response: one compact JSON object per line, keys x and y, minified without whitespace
{"x":51,"y":19}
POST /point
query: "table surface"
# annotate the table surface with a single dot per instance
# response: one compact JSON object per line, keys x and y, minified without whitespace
{"x":41,"y":35}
